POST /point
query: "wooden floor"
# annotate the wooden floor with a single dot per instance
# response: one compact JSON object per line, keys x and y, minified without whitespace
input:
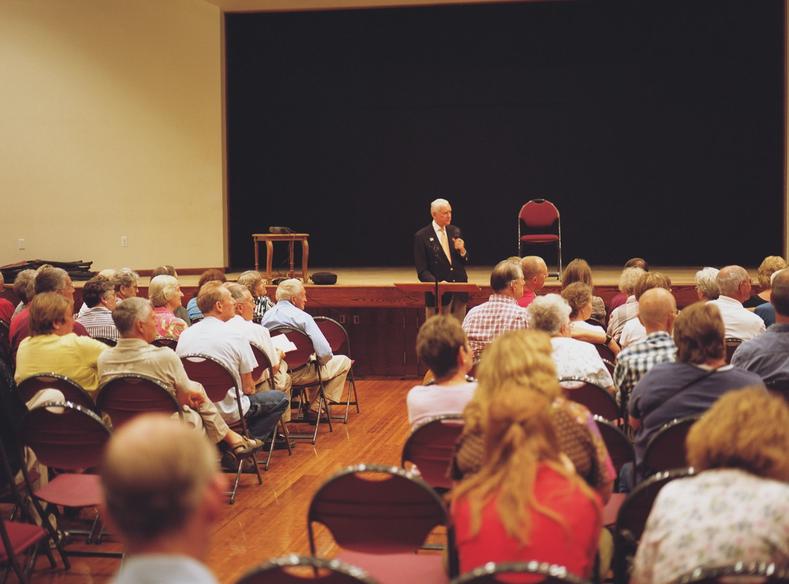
{"x":269,"y":520}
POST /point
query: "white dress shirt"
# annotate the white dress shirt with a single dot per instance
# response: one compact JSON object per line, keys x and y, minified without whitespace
{"x":740,"y":323}
{"x":632,"y":332}
{"x":257,"y":335}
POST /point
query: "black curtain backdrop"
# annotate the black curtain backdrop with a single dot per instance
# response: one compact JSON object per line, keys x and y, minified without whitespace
{"x":655,"y":126}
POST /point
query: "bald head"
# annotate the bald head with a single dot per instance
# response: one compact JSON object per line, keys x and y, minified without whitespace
{"x":734,"y":282}
{"x":780,"y":295}
{"x":657,"y":309}
{"x":534,"y":272}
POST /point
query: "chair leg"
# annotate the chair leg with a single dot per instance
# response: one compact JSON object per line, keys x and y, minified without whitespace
{"x":271,"y":448}
{"x":286,"y":434}
{"x":232,"y":493}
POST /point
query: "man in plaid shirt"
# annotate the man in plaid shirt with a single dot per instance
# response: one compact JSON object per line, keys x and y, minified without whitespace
{"x":501,"y":312}
{"x":657,"y":310}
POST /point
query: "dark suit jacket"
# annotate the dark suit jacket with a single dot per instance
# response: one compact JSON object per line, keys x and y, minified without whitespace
{"x":431,"y":261}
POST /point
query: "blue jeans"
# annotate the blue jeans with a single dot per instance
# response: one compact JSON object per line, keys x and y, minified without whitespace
{"x":265,"y":409}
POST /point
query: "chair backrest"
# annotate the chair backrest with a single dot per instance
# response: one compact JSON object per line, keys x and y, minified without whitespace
{"x":299,"y":357}
{"x":779,"y":388}
{"x":165,"y":342}
{"x":126,"y":396}
{"x":393,"y":515}
{"x":430,"y":446}
{"x":336,"y":335}
{"x":71,"y":390}
{"x":666,"y":449}
{"x":490,"y":573}
{"x":594,"y":397}
{"x":751,"y":572}
{"x":632,"y":516}
{"x":539,"y":213}
{"x":279,"y":571}
{"x":731,"y":345}
{"x":65,"y":435}
{"x":605,"y":352}
{"x":264,"y":363}
{"x":214,"y":375}
{"x":619,"y":446}
{"x":107,"y":341}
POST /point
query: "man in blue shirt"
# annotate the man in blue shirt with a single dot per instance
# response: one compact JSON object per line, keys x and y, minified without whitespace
{"x":289,"y":311}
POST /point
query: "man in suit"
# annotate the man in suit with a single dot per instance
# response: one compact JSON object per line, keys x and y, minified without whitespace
{"x":440,"y":255}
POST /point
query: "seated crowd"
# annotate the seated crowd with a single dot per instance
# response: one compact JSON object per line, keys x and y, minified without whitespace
{"x":531,"y":471}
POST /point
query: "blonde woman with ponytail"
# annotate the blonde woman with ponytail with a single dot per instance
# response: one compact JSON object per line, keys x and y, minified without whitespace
{"x":525,"y":502}
{"x":521,"y":361}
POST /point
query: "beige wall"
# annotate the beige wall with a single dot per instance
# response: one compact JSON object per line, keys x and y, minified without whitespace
{"x":111,"y":125}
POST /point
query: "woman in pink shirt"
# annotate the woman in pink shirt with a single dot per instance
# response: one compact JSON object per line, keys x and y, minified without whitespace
{"x":165,"y":295}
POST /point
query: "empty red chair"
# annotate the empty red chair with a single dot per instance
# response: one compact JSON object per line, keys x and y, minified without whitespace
{"x":539,"y":223}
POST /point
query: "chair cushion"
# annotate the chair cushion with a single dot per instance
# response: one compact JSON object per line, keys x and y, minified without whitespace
{"x":540,"y":237}
{"x":22,"y":536}
{"x":72,"y":490}
{"x":399,"y":568}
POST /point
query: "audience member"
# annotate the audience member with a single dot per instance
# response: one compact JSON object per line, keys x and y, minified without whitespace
{"x":126,"y":283}
{"x":737,"y":508}
{"x":168,"y":270}
{"x":256,"y":284}
{"x":766,"y":311}
{"x":6,"y":308}
{"x":620,"y":298}
{"x":212,"y":337}
{"x":98,"y":295}
{"x":735,"y":286}
{"x":165,"y":296}
{"x":534,"y":274}
{"x":629,"y":310}
{"x":769,"y":266}
{"x":525,"y":502}
{"x":578,"y":270}
{"x":522,"y":360}
{"x":657,"y":311}
{"x":551,"y":314}
{"x":579,"y":296}
{"x":192,"y":309}
{"x":24,"y":289}
{"x":53,"y":348}
{"x":259,"y":336}
{"x":634,"y":330}
{"x":693,"y":383}
{"x":442,"y":346}
{"x":136,"y":322}
{"x":501,"y":312}
{"x":707,"y":284}
{"x":163,"y":493}
{"x":289,"y":312}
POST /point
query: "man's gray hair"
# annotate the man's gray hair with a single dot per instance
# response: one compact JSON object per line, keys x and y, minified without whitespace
{"x":629,"y":278}
{"x":707,"y":283}
{"x":730,"y":278}
{"x":126,"y":277}
{"x":503,"y":274}
{"x":774,"y":274}
{"x":24,"y":285}
{"x":127,"y":312}
{"x":161,"y":289}
{"x":549,"y":314}
{"x":51,"y":280}
{"x":437,"y":204}
{"x":289,"y":289}
{"x":237,"y":291}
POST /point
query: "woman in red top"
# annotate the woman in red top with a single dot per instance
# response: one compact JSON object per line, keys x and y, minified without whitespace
{"x":526,"y":502}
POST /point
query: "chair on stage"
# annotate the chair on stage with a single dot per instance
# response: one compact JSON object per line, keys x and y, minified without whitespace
{"x":666,"y":449}
{"x":291,"y":570}
{"x":217,"y":380}
{"x":129,"y":395}
{"x":492,"y":573}
{"x":595,"y":398}
{"x":429,"y":447}
{"x":340,"y":344}
{"x":70,"y":389}
{"x":539,"y":223}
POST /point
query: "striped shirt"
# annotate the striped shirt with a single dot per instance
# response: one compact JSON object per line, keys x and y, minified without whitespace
{"x":98,"y":322}
{"x":621,"y":315}
{"x":487,"y":321}
{"x":634,"y":361}
{"x":262,"y":305}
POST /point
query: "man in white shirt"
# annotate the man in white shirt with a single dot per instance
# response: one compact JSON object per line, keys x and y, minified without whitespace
{"x":259,"y":336}
{"x":211,"y":336}
{"x":735,"y":286}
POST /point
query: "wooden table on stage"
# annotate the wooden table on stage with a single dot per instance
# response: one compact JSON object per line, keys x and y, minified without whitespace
{"x":291,"y":238}
{"x":443,"y":287}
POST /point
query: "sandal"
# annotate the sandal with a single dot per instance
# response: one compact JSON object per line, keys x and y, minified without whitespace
{"x":246,"y":446}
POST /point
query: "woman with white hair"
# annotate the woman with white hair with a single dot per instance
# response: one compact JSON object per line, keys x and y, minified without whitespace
{"x":165,"y":295}
{"x":551,"y":314}
{"x":707,"y":284}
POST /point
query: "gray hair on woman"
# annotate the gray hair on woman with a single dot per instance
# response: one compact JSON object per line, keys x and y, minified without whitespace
{"x":549,"y":313}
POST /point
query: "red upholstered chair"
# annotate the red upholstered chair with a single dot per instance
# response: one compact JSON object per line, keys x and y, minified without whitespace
{"x":632,"y":519}
{"x":70,"y":389}
{"x":298,"y":359}
{"x":491,"y":573}
{"x":594,"y":397}
{"x":319,"y":571}
{"x":217,"y":379}
{"x":381,"y":523}
{"x":126,"y":396}
{"x":264,"y":364}
{"x":731,"y":345}
{"x":760,"y":572}
{"x":340,"y":343}
{"x":619,"y":445}
{"x":69,"y":439}
{"x":429,"y":447}
{"x":165,"y":342}
{"x":539,"y":223}
{"x":666,"y":449}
